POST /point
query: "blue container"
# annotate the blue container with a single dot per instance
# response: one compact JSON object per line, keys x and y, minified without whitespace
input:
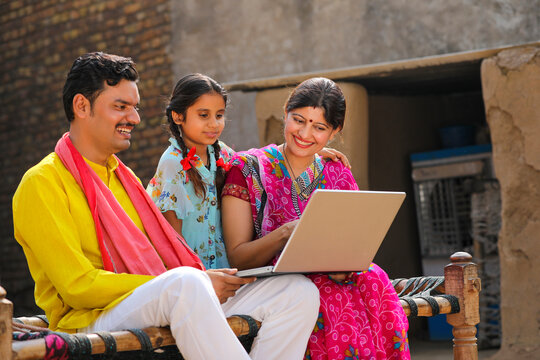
{"x":457,"y":136}
{"x":439,"y":329}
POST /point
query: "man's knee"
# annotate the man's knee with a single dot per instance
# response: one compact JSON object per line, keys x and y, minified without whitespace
{"x":185,"y":279}
{"x":309,"y":292}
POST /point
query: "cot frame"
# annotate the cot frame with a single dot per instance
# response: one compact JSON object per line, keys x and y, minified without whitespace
{"x":460,"y":282}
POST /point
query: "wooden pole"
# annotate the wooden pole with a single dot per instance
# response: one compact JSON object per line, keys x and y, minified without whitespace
{"x":6,"y":314}
{"x":425,"y":309}
{"x":462,"y":281}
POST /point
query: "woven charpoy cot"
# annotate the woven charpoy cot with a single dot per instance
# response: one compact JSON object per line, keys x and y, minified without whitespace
{"x":454,"y":294}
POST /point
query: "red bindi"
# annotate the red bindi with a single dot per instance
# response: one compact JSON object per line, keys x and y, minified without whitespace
{"x":310,"y":120}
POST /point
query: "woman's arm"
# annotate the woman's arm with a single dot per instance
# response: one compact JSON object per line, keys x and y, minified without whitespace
{"x":238,"y":231}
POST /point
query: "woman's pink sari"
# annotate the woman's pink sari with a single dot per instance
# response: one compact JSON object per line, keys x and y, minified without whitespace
{"x":360,"y":318}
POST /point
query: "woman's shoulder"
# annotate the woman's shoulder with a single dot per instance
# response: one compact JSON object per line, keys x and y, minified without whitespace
{"x":254,"y":154}
{"x":264,"y":151}
{"x":339,"y":176}
{"x":334,"y":165}
{"x":226,"y":151}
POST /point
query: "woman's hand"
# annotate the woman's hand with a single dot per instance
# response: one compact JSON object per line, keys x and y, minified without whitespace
{"x":225,"y":283}
{"x":238,"y":231}
{"x":335,"y":155}
{"x":286,"y":230}
{"x":340,"y":277}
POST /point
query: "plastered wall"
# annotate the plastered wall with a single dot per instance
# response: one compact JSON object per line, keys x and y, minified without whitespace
{"x":511,"y":90}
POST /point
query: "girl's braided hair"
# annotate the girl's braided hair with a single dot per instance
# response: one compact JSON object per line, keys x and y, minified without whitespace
{"x":185,"y":93}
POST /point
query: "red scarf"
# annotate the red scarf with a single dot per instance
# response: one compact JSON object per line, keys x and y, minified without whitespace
{"x":124,"y":247}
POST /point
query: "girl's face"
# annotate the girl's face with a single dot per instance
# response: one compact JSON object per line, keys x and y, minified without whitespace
{"x":307,"y":131}
{"x":204,"y":121}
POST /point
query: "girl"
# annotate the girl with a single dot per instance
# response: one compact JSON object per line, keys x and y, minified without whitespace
{"x":265,"y":193}
{"x":191,"y":172}
{"x":188,"y":180}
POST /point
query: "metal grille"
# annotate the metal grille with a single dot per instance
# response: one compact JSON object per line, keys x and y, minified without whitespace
{"x":486,"y":224}
{"x":443,"y":211}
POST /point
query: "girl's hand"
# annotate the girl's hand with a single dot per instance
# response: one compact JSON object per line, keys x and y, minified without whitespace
{"x":225,"y":283}
{"x":340,"y":277}
{"x":334,"y":155}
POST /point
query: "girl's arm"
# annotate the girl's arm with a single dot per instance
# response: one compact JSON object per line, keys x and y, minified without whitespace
{"x":335,"y":155}
{"x":176,"y":223}
{"x":238,"y":231}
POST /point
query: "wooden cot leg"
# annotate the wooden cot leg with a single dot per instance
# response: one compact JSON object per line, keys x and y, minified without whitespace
{"x":461,"y":280}
{"x":6,"y":314}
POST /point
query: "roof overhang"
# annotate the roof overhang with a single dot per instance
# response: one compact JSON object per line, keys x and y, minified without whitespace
{"x":431,"y":74}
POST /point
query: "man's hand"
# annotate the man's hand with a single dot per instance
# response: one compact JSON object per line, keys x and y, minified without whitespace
{"x":225,"y":283}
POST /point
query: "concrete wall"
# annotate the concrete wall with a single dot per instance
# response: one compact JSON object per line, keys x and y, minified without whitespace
{"x":247,"y":39}
{"x":511,"y":84}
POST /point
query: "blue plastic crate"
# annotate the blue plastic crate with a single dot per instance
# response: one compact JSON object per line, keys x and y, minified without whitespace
{"x":439,"y":329}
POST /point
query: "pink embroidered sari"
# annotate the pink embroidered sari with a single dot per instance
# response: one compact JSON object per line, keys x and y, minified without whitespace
{"x":359,"y":319}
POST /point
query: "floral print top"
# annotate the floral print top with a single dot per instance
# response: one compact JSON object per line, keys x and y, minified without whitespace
{"x":170,"y":189}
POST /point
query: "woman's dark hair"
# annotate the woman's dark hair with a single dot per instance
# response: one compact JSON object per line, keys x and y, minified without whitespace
{"x":320,"y":93}
{"x":89,"y":73}
{"x":185,"y":93}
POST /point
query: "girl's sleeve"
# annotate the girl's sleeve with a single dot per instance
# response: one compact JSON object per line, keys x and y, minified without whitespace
{"x":168,"y":188}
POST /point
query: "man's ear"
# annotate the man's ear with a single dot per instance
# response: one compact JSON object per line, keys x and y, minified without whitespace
{"x":177,"y":118}
{"x":81,"y":106}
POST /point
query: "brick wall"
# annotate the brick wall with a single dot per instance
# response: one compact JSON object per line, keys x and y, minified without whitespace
{"x":39,"y":40}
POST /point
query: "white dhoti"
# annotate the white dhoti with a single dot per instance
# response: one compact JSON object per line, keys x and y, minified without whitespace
{"x":184,"y":298}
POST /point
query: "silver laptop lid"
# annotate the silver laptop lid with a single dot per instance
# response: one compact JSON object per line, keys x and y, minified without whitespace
{"x":340,"y":231}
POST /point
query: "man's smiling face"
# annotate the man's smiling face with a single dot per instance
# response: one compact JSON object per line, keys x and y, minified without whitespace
{"x":113,"y":115}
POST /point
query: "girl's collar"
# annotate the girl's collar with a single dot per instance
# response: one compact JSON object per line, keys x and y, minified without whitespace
{"x":197,"y":163}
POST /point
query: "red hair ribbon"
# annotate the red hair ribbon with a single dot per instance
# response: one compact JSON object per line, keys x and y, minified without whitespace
{"x":186,"y":162}
{"x":225,"y":165}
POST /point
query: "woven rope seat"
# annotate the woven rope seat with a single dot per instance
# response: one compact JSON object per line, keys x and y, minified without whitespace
{"x":455,"y":294}
{"x":425,"y":296}
{"x":32,"y":340}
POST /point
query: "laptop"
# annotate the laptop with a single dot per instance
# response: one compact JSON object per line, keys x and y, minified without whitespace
{"x":339,"y":231}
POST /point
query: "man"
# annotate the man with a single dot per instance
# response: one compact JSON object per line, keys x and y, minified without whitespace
{"x":102,"y":256}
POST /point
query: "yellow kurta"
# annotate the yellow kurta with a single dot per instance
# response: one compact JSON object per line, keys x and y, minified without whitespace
{"x":53,"y":224}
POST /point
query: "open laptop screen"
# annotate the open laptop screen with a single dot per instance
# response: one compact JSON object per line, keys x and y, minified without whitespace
{"x":338,"y":231}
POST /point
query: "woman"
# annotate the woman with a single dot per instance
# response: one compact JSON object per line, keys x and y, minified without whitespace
{"x":360,"y":314}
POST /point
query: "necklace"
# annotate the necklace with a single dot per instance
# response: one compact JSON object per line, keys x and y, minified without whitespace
{"x":294,"y":177}
{"x":288,"y":163}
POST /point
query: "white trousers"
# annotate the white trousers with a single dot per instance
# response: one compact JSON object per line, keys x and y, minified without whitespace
{"x":184,"y":298}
